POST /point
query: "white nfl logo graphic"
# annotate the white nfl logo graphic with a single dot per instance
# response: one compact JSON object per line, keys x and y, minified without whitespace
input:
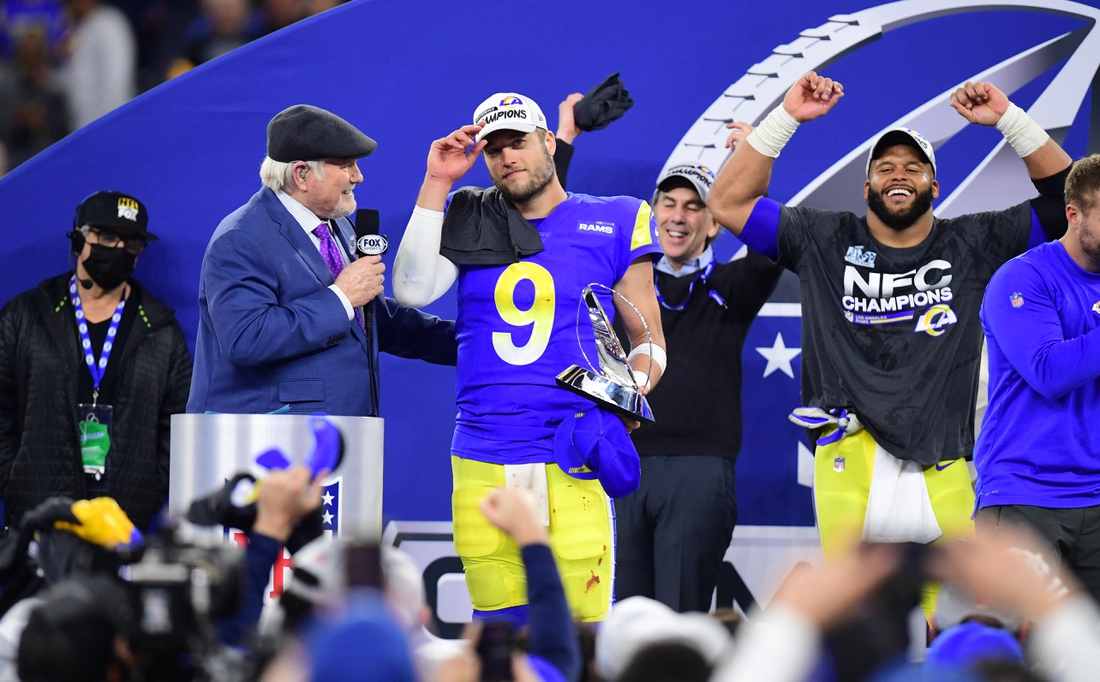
{"x":857,"y":256}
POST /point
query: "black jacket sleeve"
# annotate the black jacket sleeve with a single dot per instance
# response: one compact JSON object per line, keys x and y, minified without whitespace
{"x":762,"y":277}
{"x":563,"y":156}
{"x":409,"y":333}
{"x":1050,"y":206}
{"x":9,"y":439}
{"x":174,"y":401}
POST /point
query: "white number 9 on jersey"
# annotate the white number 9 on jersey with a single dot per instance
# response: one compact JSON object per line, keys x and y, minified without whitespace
{"x":540,"y":314}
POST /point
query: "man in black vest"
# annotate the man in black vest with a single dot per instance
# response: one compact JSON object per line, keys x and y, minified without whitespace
{"x":673,"y":532}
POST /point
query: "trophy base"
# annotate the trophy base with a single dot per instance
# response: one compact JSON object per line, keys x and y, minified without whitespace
{"x":623,"y":400}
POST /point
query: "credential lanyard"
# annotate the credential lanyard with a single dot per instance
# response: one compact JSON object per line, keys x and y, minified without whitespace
{"x":699,"y":276}
{"x":97,"y":370}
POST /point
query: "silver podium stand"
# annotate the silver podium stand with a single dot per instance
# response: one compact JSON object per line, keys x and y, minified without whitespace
{"x":208,"y":449}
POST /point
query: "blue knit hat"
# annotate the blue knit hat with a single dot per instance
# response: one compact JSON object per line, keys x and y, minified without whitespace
{"x":964,"y":645}
{"x":364,"y":644}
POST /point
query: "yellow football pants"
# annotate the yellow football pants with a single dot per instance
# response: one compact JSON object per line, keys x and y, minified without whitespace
{"x":581,"y":538}
{"x":842,"y":484}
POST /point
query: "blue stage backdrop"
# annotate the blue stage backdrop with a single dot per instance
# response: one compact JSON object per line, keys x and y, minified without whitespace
{"x":408,"y":72}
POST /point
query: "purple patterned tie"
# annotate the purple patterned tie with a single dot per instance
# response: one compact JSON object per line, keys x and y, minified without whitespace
{"x":333,"y":259}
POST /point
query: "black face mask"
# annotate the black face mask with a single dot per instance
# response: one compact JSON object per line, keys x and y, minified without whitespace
{"x":109,"y":267}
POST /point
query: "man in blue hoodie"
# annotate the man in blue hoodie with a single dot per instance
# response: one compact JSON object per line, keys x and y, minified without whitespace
{"x":1038,"y":455}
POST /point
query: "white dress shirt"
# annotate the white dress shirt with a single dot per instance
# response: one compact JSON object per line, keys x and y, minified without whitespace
{"x":309,"y":222}
{"x":689,"y":268}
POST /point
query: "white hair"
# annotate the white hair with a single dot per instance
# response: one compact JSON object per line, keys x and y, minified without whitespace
{"x":276,"y":175}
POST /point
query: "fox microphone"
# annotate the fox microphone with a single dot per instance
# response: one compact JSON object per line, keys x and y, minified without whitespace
{"x":367,"y":240}
{"x":369,"y":243}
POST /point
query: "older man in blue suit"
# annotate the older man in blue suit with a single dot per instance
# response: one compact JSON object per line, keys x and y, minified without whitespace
{"x":281,"y":294}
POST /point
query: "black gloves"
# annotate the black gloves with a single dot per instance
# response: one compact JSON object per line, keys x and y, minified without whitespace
{"x":602,"y":105}
{"x":44,"y":515}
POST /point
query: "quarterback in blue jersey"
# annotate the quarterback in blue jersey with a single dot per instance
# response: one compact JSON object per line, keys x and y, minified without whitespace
{"x":522,"y":252}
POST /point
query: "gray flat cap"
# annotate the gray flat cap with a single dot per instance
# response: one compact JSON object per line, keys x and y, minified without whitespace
{"x":305,"y":133}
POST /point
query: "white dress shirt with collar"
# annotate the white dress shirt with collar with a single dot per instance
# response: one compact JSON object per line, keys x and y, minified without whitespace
{"x":309,"y":222}
{"x":689,"y":268}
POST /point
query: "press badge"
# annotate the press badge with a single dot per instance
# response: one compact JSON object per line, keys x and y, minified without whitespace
{"x":95,"y":442}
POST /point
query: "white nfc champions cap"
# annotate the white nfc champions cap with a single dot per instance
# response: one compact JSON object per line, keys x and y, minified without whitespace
{"x":902,"y":136}
{"x":700,"y":177}
{"x":508,"y":111}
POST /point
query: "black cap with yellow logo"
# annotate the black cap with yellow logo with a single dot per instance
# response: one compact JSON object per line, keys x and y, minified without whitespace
{"x":114,"y":210}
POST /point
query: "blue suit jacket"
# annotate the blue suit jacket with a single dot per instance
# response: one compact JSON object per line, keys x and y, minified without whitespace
{"x":272,"y":336}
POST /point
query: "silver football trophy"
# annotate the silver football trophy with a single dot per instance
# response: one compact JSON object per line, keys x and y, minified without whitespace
{"x":613,"y":387}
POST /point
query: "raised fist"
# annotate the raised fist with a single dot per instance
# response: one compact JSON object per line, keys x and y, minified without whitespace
{"x":567,"y":125}
{"x":515,"y":511}
{"x":980,"y":103}
{"x":285,"y":497}
{"x":812,"y":97}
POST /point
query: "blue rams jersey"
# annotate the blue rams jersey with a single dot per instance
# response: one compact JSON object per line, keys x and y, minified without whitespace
{"x":517,"y":326}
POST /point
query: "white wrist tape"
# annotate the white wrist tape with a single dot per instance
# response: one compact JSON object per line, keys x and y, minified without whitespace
{"x":640,"y":378}
{"x":655,"y":352}
{"x":774,"y":131}
{"x":1021,"y":131}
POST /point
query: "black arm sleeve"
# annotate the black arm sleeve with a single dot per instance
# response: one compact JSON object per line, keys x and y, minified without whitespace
{"x":1050,"y":205}
{"x":9,"y":431}
{"x":563,"y":155}
{"x":764,"y":275}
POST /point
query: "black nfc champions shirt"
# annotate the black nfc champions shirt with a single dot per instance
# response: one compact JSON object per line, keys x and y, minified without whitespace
{"x":893,"y":334}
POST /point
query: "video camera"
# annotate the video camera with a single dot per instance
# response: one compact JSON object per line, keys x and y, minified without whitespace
{"x":179,"y":590}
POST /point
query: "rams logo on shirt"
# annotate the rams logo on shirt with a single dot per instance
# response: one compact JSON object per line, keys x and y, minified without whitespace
{"x":599,"y":227}
{"x":935,"y":319}
{"x":1096,"y":307}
